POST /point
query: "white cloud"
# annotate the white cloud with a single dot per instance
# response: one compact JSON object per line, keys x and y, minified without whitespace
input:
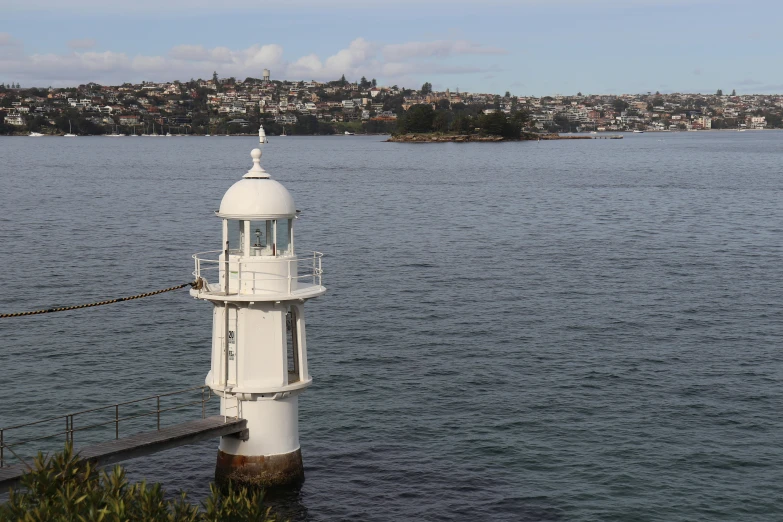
{"x":220,"y":55}
{"x":149,"y":64}
{"x":82,"y":43}
{"x":189,"y":52}
{"x":392,"y":63}
{"x":72,"y":68}
{"x":357,"y":54}
{"x":258,"y":56}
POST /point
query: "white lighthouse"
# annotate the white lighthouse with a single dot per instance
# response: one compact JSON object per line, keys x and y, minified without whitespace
{"x":258,"y":285}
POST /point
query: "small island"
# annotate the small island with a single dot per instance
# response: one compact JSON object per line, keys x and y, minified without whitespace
{"x":423,"y":124}
{"x":434,"y":137}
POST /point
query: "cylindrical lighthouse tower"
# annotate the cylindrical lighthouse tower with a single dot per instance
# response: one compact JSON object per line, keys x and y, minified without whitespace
{"x":258,"y":285}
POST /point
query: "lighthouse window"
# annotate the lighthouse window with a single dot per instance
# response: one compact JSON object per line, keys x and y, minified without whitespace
{"x":283,"y":237}
{"x":292,"y":346}
{"x":261,"y":238}
{"x":236,"y":236}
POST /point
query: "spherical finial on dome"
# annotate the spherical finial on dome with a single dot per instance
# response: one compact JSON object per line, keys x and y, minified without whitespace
{"x":256,"y":171}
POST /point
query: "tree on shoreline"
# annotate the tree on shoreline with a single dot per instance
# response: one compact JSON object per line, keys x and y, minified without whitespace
{"x":424,"y":119}
{"x":419,"y":118}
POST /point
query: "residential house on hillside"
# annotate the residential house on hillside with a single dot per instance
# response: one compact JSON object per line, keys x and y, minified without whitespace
{"x":286,"y":119}
{"x":15,"y":119}
{"x":129,"y":120}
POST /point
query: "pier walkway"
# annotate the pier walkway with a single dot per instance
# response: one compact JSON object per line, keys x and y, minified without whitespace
{"x":144,"y":444}
{"x":93,"y":424}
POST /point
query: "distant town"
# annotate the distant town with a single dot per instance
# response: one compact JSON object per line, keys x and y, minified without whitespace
{"x":232,"y":106}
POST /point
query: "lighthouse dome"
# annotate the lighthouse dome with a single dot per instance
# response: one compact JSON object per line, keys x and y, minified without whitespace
{"x":257,"y":196}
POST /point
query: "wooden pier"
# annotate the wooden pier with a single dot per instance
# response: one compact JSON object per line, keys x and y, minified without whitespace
{"x":146,"y":443}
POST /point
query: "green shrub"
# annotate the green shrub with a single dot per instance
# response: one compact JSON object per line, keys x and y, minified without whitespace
{"x":64,"y":488}
{"x":418,"y":118}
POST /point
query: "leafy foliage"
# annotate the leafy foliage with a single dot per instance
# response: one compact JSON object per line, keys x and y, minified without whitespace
{"x":462,"y":120}
{"x":419,"y":118}
{"x":498,"y":124}
{"x":378,"y":127}
{"x":620,"y":105}
{"x":462,"y":124}
{"x":309,"y":124}
{"x":442,"y":121}
{"x":64,"y":488}
{"x":443,"y":104}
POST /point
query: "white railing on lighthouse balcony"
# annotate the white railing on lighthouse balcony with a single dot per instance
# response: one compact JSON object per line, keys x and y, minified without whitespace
{"x":286,"y":275}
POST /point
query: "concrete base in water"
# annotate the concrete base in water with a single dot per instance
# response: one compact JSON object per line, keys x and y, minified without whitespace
{"x":266,"y":471}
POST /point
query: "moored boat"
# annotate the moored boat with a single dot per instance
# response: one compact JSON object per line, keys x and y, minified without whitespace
{"x":70,"y":131}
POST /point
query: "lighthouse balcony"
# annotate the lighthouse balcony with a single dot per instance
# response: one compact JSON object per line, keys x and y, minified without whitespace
{"x":257,"y":278}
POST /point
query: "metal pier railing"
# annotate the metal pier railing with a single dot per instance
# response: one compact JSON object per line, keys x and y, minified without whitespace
{"x":73,"y":426}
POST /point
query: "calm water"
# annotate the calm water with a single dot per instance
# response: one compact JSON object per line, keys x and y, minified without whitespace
{"x":570,"y":331}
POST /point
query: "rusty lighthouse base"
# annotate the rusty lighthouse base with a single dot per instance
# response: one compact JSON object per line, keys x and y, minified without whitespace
{"x":271,"y":471}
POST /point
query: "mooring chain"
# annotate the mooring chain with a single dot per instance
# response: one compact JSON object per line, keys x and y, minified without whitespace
{"x":195,"y":284}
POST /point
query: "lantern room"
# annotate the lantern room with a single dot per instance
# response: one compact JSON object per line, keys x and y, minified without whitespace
{"x":257,"y":255}
{"x":258,"y":214}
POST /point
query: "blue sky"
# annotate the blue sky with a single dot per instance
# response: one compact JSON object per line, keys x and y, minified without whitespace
{"x":528,"y":47}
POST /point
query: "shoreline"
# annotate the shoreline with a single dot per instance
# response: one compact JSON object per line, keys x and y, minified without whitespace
{"x":528,"y":136}
{"x":419,"y":138}
{"x":476,"y":138}
{"x":190,"y":135}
